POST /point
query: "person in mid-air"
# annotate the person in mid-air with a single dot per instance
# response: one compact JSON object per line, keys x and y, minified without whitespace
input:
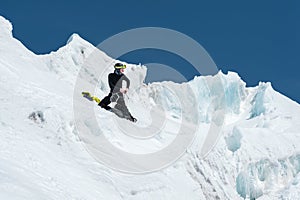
{"x":117,"y":92}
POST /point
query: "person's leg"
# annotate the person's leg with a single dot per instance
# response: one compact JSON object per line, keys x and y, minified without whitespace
{"x":123,"y":108}
{"x":104,"y":103}
{"x":121,"y":105}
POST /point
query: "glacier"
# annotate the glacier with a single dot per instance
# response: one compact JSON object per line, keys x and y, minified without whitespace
{"x":42,"y":156}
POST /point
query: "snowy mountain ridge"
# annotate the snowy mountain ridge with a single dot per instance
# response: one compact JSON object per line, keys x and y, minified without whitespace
{"x":43,"y":157}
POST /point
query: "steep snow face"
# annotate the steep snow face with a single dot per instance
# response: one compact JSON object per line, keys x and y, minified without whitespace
{"x":42,"y":156}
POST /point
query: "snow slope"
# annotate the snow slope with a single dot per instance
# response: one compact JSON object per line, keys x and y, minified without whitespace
{"x":42,"y":156}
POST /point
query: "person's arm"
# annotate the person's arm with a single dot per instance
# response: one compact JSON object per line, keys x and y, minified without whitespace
{"x":127,"y":80}
{"x":125,"y":90}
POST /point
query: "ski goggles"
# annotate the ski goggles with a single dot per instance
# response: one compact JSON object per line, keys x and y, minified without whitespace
{"x":120,"y":67}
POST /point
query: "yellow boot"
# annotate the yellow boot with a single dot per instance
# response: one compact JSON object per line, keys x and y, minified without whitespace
{"x":96,"y":99}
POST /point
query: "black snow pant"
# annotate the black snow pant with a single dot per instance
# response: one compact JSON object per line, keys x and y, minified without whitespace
{"x":104,"y":103}
{"x":120,"y":108}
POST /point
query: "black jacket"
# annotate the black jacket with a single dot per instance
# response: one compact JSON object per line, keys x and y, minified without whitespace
{"x":115,"y":82}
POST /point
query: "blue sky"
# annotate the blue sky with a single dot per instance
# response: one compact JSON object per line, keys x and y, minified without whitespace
{"x":257,"y":39}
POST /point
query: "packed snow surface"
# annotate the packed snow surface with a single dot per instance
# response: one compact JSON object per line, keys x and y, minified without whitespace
{"x":42,"y":156}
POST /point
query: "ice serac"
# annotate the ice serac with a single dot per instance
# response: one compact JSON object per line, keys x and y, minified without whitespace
{"x":42,"y":156}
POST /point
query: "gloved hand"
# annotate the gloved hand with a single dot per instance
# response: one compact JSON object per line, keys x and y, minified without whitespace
{"x":124,"y":90}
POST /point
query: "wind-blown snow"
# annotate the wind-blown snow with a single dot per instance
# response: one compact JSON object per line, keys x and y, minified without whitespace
{"x":42,"y":157}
